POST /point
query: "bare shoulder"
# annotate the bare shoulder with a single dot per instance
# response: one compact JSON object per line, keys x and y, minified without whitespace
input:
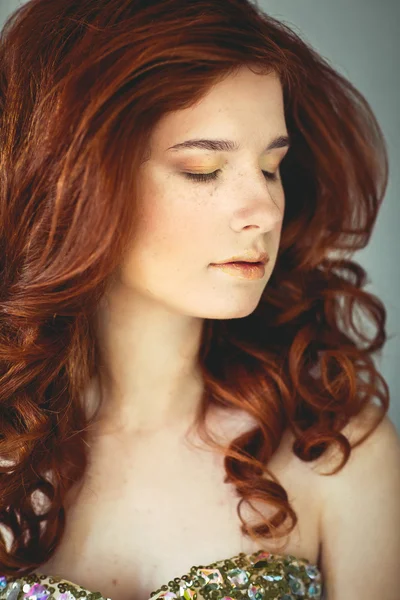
{"x":365,"y":446}
{"x":360,"y":513}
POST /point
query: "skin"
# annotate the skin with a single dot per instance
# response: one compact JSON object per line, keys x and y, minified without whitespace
{"x":166,"y":286}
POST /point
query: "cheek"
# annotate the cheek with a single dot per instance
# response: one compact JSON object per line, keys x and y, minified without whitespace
{"x":173,"y":225}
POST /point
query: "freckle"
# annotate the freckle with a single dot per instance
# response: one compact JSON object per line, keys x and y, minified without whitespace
{"x":114,"y":581}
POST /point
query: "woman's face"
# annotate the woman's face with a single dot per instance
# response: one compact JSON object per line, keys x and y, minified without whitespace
{"x":184,"y":225}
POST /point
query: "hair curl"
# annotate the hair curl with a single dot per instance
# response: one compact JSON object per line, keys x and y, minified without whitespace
{"x":82,"y":85}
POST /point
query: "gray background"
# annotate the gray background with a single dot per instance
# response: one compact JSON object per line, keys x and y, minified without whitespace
{"x":360,"y":39}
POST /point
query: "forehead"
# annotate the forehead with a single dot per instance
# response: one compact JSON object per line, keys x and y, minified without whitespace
{"x":243,"y":104}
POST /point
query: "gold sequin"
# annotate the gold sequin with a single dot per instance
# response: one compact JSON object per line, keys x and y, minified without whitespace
{"x":258,"y":576}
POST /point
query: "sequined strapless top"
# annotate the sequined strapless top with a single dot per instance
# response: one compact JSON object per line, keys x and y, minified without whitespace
{"x":258,"y":576}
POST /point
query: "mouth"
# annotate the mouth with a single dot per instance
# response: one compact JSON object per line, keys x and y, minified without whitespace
{"x":257,"y":259}
{"x":243,"y":262}
{"x":242,"y":269}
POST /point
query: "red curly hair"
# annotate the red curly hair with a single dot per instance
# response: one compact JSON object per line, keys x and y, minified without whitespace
{"x":82,"y":85}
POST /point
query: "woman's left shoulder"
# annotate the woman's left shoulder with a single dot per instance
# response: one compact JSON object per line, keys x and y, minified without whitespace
{"x":381,"y":445}
{"x":363,"y":421}
{"x":382,"y":442}
{"x":360,"y":514}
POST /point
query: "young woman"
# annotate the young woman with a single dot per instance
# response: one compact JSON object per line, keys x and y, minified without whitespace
{"x":184,"y":412}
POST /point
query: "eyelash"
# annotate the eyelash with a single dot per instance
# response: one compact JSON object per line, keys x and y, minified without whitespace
{"x":214,"y":175}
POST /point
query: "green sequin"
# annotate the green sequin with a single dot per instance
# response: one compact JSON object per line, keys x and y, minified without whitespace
{"x":258,"y":576}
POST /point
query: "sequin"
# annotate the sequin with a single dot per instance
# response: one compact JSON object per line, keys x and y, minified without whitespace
{"x":167,"y":595}
{"x":273,"y":577}
{"x":238,"y":577}
{"x":258,"y":576}
{"x":210,"y":576}
{"x":312,"y":571}
{"x":35,"y":592}
{"x":188,"y":594}
{"x":14,"y":591}
{"x":297,"y":586}
{"x":261,"y":555}
{"x":255,"y":592}
{"x":182,"y":586}
{"x":315,"y":590}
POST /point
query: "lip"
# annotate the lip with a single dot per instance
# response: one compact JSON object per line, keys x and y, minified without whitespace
{"x":262,"y":258}
{"x":243,"y":270}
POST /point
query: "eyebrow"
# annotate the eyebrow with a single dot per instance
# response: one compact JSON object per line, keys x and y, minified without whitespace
{"x":281,"y":141}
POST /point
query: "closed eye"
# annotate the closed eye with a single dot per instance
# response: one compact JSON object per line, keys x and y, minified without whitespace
{"x":214,"y":175}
